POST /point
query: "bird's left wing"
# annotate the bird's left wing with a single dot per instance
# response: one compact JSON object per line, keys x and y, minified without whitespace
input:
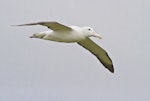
{"x":99,"y":52}
{"x":51,"y":25}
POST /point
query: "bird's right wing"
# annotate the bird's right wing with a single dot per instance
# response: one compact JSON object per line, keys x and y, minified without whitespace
{"x":99,"y":52}
{"x":51,"y":25}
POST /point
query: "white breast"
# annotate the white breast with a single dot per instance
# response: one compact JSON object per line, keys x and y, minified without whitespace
{"x":65,"y":36}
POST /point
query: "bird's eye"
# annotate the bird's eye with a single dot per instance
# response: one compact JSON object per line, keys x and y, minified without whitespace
{"x":89,"y":29}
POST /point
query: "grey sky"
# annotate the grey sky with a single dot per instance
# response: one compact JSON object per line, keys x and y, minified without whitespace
{"x":38,"y":70}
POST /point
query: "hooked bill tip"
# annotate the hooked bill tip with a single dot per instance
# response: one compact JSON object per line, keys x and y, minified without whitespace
{"x":97,"y":35}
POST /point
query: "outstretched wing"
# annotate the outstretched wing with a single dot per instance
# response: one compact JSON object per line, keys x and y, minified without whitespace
{"x":51,"y":25}
{"x":99,"y":52}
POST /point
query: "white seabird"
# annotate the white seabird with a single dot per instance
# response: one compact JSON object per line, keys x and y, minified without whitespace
{"x":70,"y":34}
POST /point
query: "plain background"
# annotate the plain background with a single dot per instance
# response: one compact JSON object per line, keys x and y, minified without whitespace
{"x":39,"y":70}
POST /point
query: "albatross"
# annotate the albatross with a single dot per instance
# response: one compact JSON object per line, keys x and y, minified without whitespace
{"x":74,"y":34}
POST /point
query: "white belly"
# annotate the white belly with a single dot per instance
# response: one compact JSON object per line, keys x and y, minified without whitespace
{"x":61,"y":36}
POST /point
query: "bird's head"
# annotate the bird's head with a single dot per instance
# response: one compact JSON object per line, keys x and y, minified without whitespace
{"x":90,"y":32}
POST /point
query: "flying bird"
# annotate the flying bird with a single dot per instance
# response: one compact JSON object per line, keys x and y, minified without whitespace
{"x":74,"y":34}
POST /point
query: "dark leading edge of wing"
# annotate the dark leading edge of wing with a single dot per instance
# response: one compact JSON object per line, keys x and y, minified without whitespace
{"x":99,"y":52}
{"x":51,"y":25}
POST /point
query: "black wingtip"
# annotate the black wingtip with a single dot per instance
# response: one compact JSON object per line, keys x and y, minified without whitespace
{"x":17,"y":25}
{"x":30,"y":24}
{"x":110,"y":68}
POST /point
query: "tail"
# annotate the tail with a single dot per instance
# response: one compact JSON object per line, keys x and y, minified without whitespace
{"x":38,"y":35}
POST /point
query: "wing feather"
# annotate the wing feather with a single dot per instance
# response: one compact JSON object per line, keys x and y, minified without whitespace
{"x":51,"y":25}
{"x":99,"y":52}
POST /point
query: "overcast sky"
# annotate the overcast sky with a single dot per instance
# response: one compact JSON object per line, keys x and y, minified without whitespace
{"x":39,"y":70}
